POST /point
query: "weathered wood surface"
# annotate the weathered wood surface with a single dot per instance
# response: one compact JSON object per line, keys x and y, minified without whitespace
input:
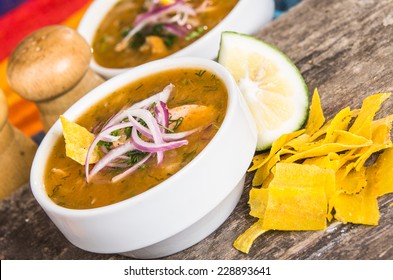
{"x":342,"y":47}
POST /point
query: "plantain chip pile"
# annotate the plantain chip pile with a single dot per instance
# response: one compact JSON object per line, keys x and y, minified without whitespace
{"x":320,"y":173}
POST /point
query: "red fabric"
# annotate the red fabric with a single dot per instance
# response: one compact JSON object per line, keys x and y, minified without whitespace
{"x":30,"y":16}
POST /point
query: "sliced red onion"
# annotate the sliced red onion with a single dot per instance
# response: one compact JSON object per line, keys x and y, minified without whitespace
{"x":179,"y":135}
{"x":183,"y":13}
{"x":96,"y":128}
{"x":122,"y":45}
{"x":123,"y":157}
{"x":165,"y":136}
{"x":158,"y":11}
{"x":89,"y":153}
{"x":143,"y":130}
{"x":104,"y":149}
{"x":150,"y":121}
{"x":109,"y":157}
{"x":179,"y":31}
{"x":144,"y":19}
{"x":106,"y":133}
{"x":117,"y":165}
{"x":158,"y":15}
{"x":162,"y":115}
{"x":161,"y":96}
{"x":114,"y":119}
{"x":154,"y":147}
{"x":131,"y":169}
{"x":100,"y":137}
{"x":152,"y":124}
{"x":110,"y":138}
{"x":155,"y":131}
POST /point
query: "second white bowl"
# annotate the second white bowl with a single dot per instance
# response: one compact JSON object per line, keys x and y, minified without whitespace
{"x":248,"y":16}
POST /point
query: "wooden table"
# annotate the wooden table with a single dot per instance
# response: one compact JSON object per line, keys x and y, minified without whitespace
{"x":342,"y":47}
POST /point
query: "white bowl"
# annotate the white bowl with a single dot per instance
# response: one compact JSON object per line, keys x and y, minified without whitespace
{"x":180,"y":211}
{"x":248,"y":16}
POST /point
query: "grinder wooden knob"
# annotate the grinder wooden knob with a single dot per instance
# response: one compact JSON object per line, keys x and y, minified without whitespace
{"x":16,"y":154}
{"x":51,"y":68}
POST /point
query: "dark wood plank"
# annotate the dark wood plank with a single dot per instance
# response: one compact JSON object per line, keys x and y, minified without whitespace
{"x":341,"y":47}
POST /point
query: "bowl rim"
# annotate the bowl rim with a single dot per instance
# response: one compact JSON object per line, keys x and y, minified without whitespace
{"x":104,"y":90}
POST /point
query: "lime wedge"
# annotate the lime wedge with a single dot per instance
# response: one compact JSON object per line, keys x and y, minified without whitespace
{"x":272,"y":85}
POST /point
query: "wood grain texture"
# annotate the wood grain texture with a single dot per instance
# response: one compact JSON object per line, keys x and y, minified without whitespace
{"x":342,"y":47}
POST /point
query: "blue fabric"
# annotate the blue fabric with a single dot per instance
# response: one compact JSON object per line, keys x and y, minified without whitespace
{"x":6,"y":5}
{"x":38,"y":137}
{"x":283,"y":5}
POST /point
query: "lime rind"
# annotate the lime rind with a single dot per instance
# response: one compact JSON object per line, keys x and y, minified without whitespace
{"x":238,"y":53}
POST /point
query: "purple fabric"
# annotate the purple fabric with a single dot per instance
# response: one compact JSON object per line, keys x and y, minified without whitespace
{"x":7,"y":5}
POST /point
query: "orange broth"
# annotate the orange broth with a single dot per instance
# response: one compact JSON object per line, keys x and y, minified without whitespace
{"x":120,"y":18}
{"x":65,"y":180}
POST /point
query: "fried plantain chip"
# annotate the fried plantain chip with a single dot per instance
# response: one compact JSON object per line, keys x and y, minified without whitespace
{"x":78,"y":140}
{"x":371,"y":105}
{"x":339,"y":122}
{"x":298,"y":142}
{"x":264,"y":171}
{"x":380,"y":175}
{"x":359,"y":208}
{"x":260,"y":159}
{"x":260,"y":175}
{"x":321,"y":149}
{"x":297,"y":197}
{"x":316,"y":117}
{"x":351,"y":182}
{"x":244,"y":242}
{"x":330,"y":161}
{"x":380,"y":136}
{"x":258,"y":202}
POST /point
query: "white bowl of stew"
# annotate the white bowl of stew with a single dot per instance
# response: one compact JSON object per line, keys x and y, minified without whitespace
{"x":189,"y":28}
{"x":144,"y":215}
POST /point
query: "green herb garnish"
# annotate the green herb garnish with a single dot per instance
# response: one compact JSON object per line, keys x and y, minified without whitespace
{"x":138,"y":40}
{"x":170,"y":39}
{"x":196,"y":33}
{"x":135,"y":156}
{"x":105,"y":144}
{"x":177,"y":122}
{"x":200,"y":73}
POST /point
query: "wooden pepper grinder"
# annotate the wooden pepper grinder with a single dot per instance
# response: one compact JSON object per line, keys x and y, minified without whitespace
{"x":51,"y":68}
{"x":16,"y":153}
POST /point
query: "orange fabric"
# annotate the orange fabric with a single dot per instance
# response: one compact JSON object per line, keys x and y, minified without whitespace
{"x":22,"y":113}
